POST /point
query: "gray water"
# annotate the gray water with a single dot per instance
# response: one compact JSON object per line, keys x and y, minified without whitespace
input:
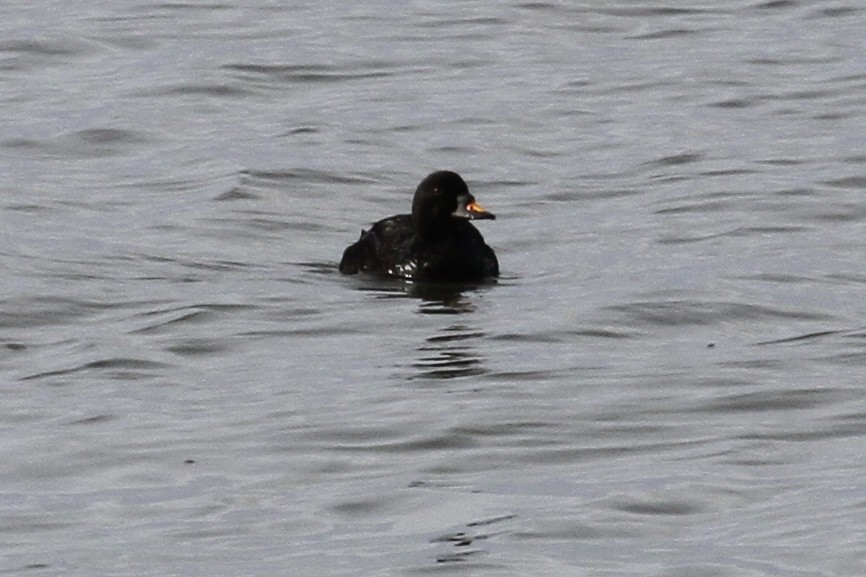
{"x":667,"y":380}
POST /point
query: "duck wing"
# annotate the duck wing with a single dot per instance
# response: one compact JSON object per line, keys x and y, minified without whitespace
{"x":378,"y":248}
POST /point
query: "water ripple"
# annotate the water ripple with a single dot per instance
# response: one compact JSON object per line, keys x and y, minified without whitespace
{"x":684,"y":312}
{"x":113,"y":368}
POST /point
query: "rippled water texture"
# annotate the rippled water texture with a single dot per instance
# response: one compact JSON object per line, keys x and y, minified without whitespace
{"x":667,"y":379}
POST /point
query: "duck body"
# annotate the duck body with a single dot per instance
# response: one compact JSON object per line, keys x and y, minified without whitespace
{"x":434,"y":243}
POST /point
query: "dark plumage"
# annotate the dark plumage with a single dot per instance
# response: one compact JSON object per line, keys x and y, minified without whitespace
{"x":435,"y":243}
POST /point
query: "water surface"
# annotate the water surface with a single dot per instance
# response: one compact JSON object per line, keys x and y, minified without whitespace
{"x":667,"y":379}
